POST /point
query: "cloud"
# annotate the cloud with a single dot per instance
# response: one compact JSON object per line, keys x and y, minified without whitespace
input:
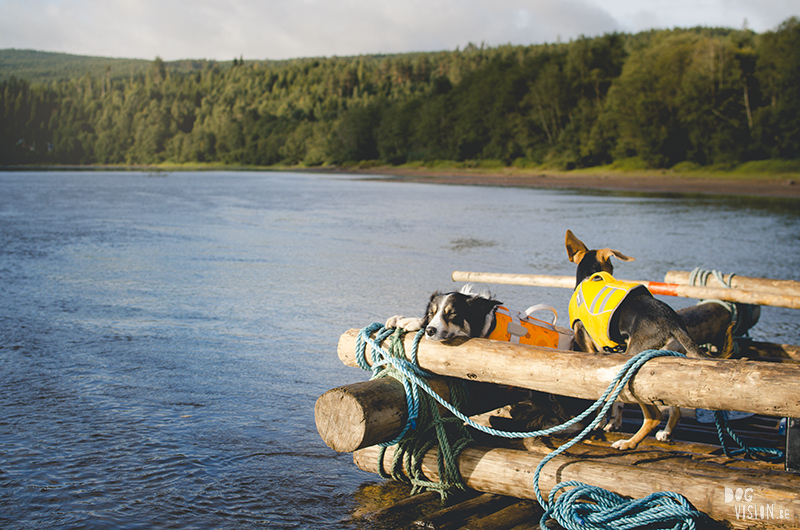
{"x":278,"y":29}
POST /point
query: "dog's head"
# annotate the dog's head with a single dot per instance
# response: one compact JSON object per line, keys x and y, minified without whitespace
{"x":457,"y":314}
{"x":590,"y":261}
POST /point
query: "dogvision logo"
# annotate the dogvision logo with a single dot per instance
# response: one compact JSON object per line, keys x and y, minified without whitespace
{"x":747,"y":509}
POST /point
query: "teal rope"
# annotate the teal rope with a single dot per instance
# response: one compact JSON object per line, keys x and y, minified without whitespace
{"x":450,"y":433}
{"x":587,"y":507}
{"x":700,"y":276}
{"x":767,"y":454}
{"x":591,"y":507}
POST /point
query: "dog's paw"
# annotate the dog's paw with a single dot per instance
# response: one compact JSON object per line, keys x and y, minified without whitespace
{"x":664,"y":436}
{"x":405,"y":323}
{"x":624,"y":445}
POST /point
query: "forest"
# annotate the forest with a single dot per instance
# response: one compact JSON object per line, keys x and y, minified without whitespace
{"x":657,"y":99}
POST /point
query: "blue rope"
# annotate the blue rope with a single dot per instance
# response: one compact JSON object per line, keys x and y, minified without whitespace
{"x":767,"y":454}
{"x":585,"y":506}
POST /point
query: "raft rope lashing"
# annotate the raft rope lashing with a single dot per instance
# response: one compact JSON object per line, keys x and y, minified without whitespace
{"x":741,"y":314}
{"x":767,"y":454}
{"x":590,"y":507}
{"x":700,"y":276}
{"x":424,"y":419}
{"x":586,"y":507}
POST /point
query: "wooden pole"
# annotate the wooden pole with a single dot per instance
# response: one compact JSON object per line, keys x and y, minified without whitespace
{"x":761,"y":285}
{"x":749,"y":386}
{"x":371,"y":412}
{"x":658,"y":288}
{"x":510,"y":472}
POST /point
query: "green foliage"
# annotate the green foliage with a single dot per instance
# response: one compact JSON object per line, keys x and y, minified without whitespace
{"x":698,"y":97}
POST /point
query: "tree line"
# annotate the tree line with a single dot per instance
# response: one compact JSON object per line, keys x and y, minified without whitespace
{"x":702,"y":96}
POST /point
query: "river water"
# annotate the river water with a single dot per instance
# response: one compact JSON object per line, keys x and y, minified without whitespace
{"x":163,"y":337}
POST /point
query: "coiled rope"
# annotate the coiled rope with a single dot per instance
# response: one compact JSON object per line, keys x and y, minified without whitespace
{"x":585,"y":506}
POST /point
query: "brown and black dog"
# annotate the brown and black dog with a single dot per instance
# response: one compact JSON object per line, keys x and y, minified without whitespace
{"x":639,"y":322}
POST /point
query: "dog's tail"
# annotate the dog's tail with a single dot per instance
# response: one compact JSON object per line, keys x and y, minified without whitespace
{"x":471,"y":290}
{"x":729,"y":345}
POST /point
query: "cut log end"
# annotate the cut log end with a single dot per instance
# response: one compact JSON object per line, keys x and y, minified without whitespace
{"x":359,"y":415}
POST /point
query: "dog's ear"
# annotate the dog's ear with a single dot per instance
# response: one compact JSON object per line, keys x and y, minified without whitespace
{"x":576,"y":250}
{"x":605,"y":254}
{"x":483,"y":304}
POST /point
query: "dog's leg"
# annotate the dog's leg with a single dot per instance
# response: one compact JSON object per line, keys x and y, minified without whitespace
{"x":674,"y":418}
{"x":652,"y":417}
{"x":582,"y":340}
{"x":615,"y":417}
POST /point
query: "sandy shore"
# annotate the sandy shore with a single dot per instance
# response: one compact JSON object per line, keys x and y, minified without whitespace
{"x":634,"y":182}
{"x":783,"y":186}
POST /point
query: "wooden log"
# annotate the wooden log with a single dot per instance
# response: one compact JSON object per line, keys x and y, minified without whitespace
{"x":762,"y":285}
{"x":655,"y":455}
{"x":371,"y":412}
{"x":657,"y":288}
{"x":359,"y":415}
{"x":453,"y":516}
{"x":403,"y":506}
{"x":509,"y":517}
{"x":757,"y":349}
{"x":747,"y":386}
{"x":510,"y":472}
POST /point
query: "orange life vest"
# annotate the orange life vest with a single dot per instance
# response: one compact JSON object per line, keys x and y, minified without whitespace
{"x":512,"y":326}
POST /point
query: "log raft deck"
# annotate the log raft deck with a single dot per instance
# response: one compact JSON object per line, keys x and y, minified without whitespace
{"x":737,"y":492}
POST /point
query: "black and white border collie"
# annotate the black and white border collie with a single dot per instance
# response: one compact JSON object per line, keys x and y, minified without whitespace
{"x":463,"y":313}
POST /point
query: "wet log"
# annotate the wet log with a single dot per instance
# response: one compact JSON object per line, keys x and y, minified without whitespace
{"x":510,"y":472}
{"x":771,"y":351}
{"x":747,"y":386}
{"x":405,"y":505}
{"x":657,"y":288}
{"x":371,"y":412}
{"x":454,"y":516}
{"x":521,"y":512}
{"x":762,"y":285}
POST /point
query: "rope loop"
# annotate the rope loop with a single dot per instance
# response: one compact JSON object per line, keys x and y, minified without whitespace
{"x":589,"y":507}
{"x":766,"y":454}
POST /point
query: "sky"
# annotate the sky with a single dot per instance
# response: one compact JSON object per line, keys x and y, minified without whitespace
{"x":284,"y":29}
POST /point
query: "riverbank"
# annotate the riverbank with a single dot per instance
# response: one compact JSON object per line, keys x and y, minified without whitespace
{"x":773,"y":184}
{"x":785,"y":186}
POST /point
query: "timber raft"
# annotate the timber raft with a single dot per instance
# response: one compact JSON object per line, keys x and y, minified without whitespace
{"x":763,"y":381}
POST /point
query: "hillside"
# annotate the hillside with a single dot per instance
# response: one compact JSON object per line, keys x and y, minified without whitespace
{"x":658,"y":99}
{"x":46,"y":67}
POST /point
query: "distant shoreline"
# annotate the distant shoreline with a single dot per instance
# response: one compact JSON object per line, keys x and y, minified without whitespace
{"x":783,"y":186}
{"x":666,"y":182}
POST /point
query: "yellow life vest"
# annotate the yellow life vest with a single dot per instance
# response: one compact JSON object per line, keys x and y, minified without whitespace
{"x":594,"y":303}
{"x":512,"y":326}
